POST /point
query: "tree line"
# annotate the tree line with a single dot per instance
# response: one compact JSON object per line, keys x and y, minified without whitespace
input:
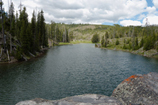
{"x":134,"y":37}
{"x":59,"y":32}
{"x":24,"y":37}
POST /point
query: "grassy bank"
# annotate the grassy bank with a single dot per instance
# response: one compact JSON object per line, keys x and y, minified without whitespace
{"x":74,"y":42}
{"x":112,"y":46}
{"x":62,"y":43}
{"x":80,"y":41}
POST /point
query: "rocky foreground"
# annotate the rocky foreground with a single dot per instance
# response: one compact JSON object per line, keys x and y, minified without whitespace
{"x":135,"y":90}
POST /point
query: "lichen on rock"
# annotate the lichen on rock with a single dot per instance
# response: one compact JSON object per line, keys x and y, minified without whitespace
{"x":138,"y":89}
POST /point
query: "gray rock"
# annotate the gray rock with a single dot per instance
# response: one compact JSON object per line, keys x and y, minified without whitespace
{"x":88,"y":99}
{"x":138,"y":89}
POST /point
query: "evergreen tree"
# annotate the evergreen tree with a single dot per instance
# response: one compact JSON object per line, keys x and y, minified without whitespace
{"x":67,"y":36}
{"x":52,"y":31}
{"x":23,"y":31}
{"x":102,"y":41}
{"x":13,"y":30}
{"x":33,"y":33}
{"x":38,"y":32}
{"x":27,"y":36}
{"x":95,"y":38}
{"x":17,"y":28}
{"x":43,"y":31}
{"x":106,"y":35}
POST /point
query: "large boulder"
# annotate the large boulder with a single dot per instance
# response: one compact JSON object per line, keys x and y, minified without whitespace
{"x":88,"y":99}
{"x":138,"y":89}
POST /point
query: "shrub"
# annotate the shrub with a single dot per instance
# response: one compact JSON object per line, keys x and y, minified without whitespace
{"x":124,"y":46}
{"x":95,"y":38}
{"x":117,"y":42}
{"x":121,"y":35}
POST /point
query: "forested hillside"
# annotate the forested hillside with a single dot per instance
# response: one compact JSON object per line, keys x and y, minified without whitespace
{"x":142,"y":40}
{"x":138,"y":39}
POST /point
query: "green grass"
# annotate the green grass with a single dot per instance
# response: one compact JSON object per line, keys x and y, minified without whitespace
{"x":74,"y":42}
{"x":80,"y":41}
{"x":62,"y":43}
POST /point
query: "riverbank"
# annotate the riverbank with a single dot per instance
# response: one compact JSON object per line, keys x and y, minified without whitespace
{"x":125,"y":46}
{"x":150,"y":53}
{"x":26,"y":58}
{"x":38,"y":54}
{"x":42,"y":51}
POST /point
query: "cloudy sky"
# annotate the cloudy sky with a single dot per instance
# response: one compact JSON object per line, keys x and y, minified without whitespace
{"x":109,"y":12}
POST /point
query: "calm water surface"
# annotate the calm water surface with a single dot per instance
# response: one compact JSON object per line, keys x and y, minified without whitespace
{"x":70,"y":70}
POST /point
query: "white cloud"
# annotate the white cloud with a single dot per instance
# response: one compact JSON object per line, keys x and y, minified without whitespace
{"x":155,"y":2}
{"x":151,"y":9}
{"x":152,"y":20}
{"x":130,"y":23}
{"x":85,"y":11}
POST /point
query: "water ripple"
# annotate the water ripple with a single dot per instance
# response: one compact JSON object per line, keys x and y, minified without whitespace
{"x":70,"y":70}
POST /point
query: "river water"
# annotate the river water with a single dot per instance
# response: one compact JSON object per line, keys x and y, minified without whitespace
{"x":70,"y":70}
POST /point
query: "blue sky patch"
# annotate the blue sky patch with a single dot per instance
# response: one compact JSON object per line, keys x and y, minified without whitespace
{"x":150,"y":3}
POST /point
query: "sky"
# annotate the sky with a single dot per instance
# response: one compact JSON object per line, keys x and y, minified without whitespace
{"x":107,"y":12}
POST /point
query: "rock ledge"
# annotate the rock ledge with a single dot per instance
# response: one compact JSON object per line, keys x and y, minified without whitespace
{"x":87,"y":99}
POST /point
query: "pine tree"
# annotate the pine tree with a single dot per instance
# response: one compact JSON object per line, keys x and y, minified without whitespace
{"x":103,"y":42}
{"x":95,"y":38}
{"x":13,"y":30}
{"x":106,"y":35}
{"x":38,"y":32}
{"x":12,"y":24}
{"x":53,"y":24}
{"x":23,"y":31}
{"x":67,"y":36}
{"x":33,"y":33}
{"x":43,"y":31}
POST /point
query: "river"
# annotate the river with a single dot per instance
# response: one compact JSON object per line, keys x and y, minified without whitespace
{"x":70,"y":70}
